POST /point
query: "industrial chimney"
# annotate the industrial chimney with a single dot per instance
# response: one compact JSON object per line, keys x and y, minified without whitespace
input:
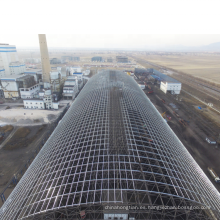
{"x":45,"y":60}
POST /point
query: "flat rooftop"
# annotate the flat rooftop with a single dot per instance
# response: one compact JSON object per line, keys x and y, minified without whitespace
{"x":12,"y":77}
{"x":33,"y":71}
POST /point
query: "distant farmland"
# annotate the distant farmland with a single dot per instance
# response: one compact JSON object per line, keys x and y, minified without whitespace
{"x":205,"y":66}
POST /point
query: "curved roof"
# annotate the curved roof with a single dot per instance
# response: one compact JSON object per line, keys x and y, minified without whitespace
{"x":113,"y":148}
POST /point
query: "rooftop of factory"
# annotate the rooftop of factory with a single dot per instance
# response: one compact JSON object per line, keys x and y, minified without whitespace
{"x":14,"y":77}
{"x":33,"y":99}
{"x":33,"y":71}
{"x":164,"y":78}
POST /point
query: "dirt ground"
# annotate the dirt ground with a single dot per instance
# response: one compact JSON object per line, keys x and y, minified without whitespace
{"x":6,"y":130}
{"x":203,"y":65}
{"x":18,"y":151}
{"x":192,"y":136}
{"x":21,"y":138}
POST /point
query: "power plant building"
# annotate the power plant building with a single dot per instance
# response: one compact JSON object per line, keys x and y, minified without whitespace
{"x":9,"y":62}
{"x":12,"y":85}
{"x":113,"y":151}
{"x":37,"y":73}
{"x":70,"y":88}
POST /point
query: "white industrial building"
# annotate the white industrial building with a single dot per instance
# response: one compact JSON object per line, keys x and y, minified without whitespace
{"x":17,"y":68}
{"x":75,"y":69}
{"x":172,"y":86}
{"x":70,"y":88}
{"x":45,"y":101}
{"x":11,"y":85}
{"x":29,"y":93}
{"x":86,"y":72}
{"x":34,"y":104}
{"x":64,"y":71}
{"x":9,"y":60}
{"x":48,"y":101}
{"x":167,"y":83}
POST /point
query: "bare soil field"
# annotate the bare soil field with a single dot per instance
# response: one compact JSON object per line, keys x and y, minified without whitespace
{"x":6,"y":130}
{"x":205,"y":66}
{"x":18,"y":150}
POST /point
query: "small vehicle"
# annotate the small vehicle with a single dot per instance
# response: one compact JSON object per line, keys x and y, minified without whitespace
{"x":210,"y":141}
{"x":214,"y":175}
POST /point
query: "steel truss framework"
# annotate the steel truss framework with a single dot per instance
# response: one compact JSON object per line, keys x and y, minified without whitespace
{"x":112,"y":148}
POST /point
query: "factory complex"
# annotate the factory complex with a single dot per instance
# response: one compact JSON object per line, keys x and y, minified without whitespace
{"x":39,"y":88}
{"x":125,"y":143}
{"x":167,"y":83}
{"x":112,"y":151}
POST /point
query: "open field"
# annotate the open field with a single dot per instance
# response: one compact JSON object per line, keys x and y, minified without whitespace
{"x":205,"y":66}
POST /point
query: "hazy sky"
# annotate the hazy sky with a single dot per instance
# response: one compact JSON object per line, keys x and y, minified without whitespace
{"x":110,"y":23}
{"x":111,"y":41}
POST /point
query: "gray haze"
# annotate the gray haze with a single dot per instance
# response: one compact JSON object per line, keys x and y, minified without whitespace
{"x":114,"y":41}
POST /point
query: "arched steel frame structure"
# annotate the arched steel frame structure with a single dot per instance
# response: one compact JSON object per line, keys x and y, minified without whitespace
{"x":113,"y":148}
